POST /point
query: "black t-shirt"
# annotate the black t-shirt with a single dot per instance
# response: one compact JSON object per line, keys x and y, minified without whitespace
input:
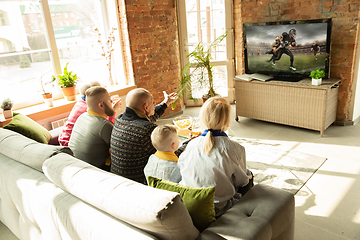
{"x":315,"y":47}
{"x":286,"y":40}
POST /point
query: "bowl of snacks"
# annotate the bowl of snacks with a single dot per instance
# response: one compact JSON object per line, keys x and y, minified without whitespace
{"x":183,"y":122}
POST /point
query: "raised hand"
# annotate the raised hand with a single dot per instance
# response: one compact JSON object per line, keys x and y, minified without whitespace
{"x":170,"y":98}
{"x":116,"y":102}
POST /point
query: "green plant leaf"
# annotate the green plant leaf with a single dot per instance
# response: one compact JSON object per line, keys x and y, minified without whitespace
{"x":199,"y":69}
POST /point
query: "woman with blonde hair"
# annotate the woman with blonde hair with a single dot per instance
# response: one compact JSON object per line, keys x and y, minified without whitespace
{"x":213,"y":159}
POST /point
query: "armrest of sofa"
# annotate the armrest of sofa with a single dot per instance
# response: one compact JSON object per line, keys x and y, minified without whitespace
{"x":264,"y":213}
{"x":55,"y":133}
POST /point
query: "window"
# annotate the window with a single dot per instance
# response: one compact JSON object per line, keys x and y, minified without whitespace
{"x":26,"y":55}
{"x":2,"y":19}
{"x":204,"y":21}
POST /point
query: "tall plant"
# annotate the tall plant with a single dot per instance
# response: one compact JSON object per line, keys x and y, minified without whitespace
{"x":199,"y":69}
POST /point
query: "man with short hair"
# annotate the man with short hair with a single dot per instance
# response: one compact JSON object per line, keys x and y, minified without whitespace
{"x":90,"y":138}
{"x":130,"y":142}
{"x":79,"y":108}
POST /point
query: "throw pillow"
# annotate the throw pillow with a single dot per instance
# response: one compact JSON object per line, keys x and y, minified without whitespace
{"x":198,"y":201}
{"x":29,"y":128}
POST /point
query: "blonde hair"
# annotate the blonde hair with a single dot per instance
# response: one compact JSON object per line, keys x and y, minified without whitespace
{"x":214,"y":115}
{"x":86,"y":86}
{"x":161,"y":137}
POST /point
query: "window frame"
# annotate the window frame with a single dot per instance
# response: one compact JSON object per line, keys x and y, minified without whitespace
{"x":47,"y":18}
{"x":229,"y":62}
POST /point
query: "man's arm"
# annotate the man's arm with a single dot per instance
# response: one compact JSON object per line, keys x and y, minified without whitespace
{"x":160,"y":108}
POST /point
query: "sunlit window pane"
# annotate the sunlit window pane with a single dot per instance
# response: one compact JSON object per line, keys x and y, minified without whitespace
{"x":206,"y":22}
{"x":220,"y":83}
{"x":24,"y":54}
{"x":77,"y":41}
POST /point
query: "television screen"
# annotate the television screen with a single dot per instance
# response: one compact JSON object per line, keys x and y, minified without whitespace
{"x":287,"y":50}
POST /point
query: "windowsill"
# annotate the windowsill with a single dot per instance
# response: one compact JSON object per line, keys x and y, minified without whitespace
{"x":41,"y":111}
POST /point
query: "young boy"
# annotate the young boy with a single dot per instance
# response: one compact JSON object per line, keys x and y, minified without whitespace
{"x":163,"y":164}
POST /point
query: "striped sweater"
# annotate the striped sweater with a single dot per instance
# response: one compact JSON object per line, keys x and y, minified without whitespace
{"x":130,"y":144}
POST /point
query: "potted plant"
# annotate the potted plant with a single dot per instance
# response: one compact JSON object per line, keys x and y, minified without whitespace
{"x":7,"y":105}
{"x":67,"y":81}
{"x":48,"y":99}
{"x":199,"y":70}
{"x":317,"y":76}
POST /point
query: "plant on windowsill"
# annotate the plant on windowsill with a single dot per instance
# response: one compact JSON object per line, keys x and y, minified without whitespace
{"x":317,"y":76}
{"x":199,"y":71}
{"x":48,"y":98}
{"x":7,"y":105}
{"x":67,"y":81}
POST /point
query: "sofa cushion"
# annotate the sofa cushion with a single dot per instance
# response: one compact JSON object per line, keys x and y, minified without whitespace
{"x":265,"y":212}
{"x":26,"y":150}
{"x":158,"y":212}
{"x":198,"y":201}
{"x":29,"y":128}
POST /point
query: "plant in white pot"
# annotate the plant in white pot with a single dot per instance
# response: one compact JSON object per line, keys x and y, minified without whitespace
{"x":317,"y":76}
{"x":67,"y":81}
{"x":7,"y":105}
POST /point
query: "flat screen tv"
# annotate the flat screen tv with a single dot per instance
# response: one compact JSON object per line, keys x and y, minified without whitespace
{"x":287,"y":50}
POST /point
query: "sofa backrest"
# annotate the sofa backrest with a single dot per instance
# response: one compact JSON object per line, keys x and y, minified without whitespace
{"x":26,"y":150}
{"x":158,"y":212}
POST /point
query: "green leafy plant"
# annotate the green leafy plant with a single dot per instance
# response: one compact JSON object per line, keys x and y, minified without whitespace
{"x":7,"y":104}
{"x":67,"y":79}
{"x":199,"y":70}
{"x":317,"y":74}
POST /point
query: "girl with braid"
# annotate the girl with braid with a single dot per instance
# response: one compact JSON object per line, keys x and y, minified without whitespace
{"x":213,"y":159}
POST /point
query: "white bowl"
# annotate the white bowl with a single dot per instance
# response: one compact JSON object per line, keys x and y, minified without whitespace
{"x":183,"y":122}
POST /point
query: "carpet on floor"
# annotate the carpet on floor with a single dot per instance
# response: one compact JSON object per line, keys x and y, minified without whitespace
{"x":275,"y":163}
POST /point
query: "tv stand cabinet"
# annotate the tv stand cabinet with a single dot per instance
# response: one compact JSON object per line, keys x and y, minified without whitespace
{"x":297,"y":104}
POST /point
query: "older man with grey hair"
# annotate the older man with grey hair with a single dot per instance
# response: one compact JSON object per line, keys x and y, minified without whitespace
{"x":131,"y":145}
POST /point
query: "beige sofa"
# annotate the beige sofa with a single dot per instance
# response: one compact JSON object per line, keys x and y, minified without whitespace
{"x":46,"y":193}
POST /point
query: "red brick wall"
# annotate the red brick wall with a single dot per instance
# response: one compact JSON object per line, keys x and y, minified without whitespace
{"x":345,"y":15}
{"x":154,"y":45}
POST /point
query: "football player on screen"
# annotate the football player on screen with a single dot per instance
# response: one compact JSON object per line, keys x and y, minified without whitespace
{"x":287,"y":40}
{"x":316,"y":48}
{"x":275,"y":48}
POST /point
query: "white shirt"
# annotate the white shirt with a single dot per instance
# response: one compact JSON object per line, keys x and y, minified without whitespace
{"x":167,"y":169}
{"x":224,"y":168}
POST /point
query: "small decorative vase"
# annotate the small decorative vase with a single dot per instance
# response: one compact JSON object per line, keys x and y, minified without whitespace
{"x":69,"y":93}
{"x":48,"y":99}
{"x":316,"y":82}
{"x":7,"y":114}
